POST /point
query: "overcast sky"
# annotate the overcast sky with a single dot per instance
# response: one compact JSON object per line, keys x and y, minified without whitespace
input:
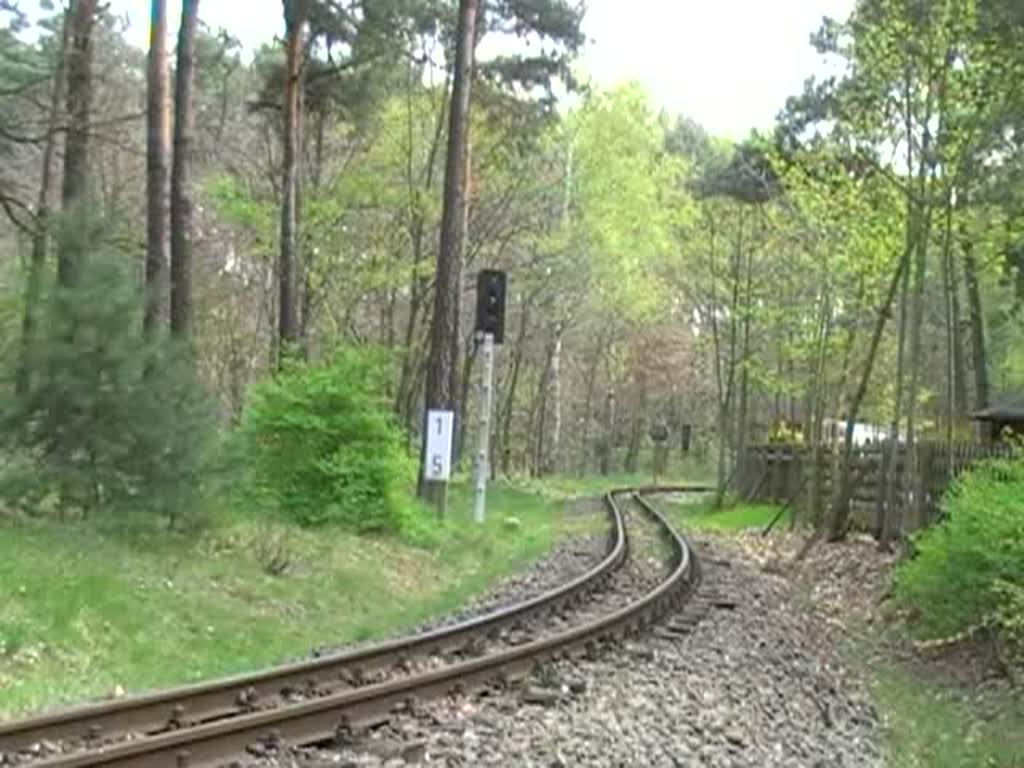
{"x":728,"y":64}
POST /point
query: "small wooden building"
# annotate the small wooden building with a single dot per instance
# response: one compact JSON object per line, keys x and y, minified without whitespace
{"x":1004,"y":417}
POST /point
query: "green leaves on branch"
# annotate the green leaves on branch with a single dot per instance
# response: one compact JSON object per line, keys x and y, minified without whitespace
{"x":321,"y":445}
{"x":969,"y":570}
{"x":111,"y":421}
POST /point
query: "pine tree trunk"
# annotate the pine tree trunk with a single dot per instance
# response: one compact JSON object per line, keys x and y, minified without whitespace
{"x":158,"y":139}
{"x":76,"y":145}
{"x":444,"y":337}
{"x":979,"y":352}
{"x":287,"y":316}
{"x":458,"y":394}
{"x":40,"y":238}
{"x":181,"y":175}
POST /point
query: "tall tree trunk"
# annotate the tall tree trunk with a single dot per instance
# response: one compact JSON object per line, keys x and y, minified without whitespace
{"x":287,"y":316}
{"x":841,"y":508}
{"x":636,"y":433}
{"x":465,"y":382}
{"x":158,"y":141}
{"x":539,"y":419}
{"x":76,"y":145}
{"x":457,"y":391}
{"x":946,"y":265}
{"x":408,"y":353}
{"x":816,"y":409}
{"x":307,"y":300}
{"x":910,"y":469}
{"x":181,"y":175}
{"x":925,"y":176}
{"x":513,"y":383}
{"x":588,"y":407}
{"x":555,"y":443}
{"x":890,"y":515}
{"x":608,"y":447}
{"x":742,"y":425}
{"x":40,"y":237}
{"x":444,"y":337}
{"x":959,"y":364}
{"x":723,"y":384}
{"x":979,"y":352}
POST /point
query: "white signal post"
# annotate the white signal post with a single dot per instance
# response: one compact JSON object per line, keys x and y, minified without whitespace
{"x":482,"y":460}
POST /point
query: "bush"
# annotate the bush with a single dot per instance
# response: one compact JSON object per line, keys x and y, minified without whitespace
{"x":969,"y":569}
{"x":322,"y":446}
{"x":110,"y":419}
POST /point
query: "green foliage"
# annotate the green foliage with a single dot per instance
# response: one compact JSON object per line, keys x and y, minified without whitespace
{"x":928,"y":724}
{"x":700,"y":514}
{"x":621,"y":176}
{"x":321,"y":444}
{"x":969,"y":570}
{"x":110,"y":420}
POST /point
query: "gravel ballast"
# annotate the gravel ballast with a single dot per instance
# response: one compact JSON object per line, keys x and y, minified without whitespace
{"x":756,"y":682}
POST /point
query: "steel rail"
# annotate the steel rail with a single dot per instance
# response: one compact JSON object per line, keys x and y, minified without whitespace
{"x":189,"y":705}
{"x":319,"y":719}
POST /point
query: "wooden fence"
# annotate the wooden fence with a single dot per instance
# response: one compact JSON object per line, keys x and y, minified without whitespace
{"x":783,"y":474}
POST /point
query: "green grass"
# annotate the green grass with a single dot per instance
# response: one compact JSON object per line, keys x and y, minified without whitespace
{"x":927,"y":726}
{"x":699,"y":515}
{"x":570,"y":484}
{"x":85,"y":612}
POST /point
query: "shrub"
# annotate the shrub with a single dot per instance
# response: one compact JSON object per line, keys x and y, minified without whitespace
{"x":969,"y":569}
{"x":322,"y":446}
{"x":110,"y":419}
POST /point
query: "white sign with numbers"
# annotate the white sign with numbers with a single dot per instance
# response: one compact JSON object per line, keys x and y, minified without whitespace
{"x":439,"y":445}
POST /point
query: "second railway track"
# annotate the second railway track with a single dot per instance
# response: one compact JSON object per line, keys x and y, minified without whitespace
{"x":215,"y":723}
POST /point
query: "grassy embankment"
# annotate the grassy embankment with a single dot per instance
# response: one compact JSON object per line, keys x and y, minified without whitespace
{"x":86,"y":611}
{"x":931,"y":724}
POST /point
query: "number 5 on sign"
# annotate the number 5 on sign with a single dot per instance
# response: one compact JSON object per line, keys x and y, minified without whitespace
{"x":439,"y":445}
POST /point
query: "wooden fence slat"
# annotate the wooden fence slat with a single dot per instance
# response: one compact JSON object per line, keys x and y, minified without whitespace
{"x":773,"y":473}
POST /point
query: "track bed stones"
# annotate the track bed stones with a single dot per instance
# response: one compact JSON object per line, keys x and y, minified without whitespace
{"x":741,"y":677}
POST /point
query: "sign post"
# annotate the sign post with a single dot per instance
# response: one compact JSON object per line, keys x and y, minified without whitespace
{"x":490,"y":329}
{"x":481,"y":465}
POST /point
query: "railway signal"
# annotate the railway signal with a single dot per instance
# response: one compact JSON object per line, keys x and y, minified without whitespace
{"x":490,"y":304}
{"x":490,"y":329}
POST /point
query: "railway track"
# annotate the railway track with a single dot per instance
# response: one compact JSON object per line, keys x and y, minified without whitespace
{"x":312,"y":701}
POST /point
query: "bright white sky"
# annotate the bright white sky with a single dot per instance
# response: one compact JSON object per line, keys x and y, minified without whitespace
{"x":728,"y":64}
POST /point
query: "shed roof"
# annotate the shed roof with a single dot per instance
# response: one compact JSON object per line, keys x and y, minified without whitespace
{"x":1009,"y":407}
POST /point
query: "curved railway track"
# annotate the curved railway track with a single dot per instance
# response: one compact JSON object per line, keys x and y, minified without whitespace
{"x":214,"y":723}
